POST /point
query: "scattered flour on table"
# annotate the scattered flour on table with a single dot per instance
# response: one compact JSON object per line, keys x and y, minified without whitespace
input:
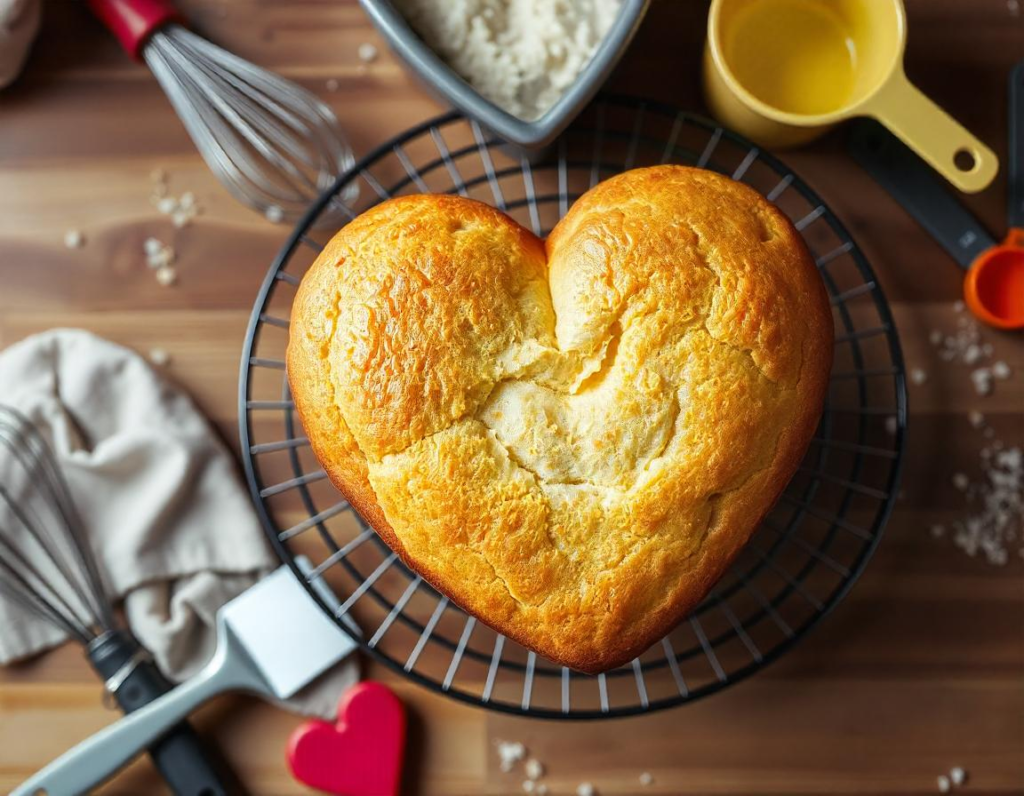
{"x":181,"y":209}
{"x":520,"y":54}
{"x":965,"y":346}
{"x":994,"y":521}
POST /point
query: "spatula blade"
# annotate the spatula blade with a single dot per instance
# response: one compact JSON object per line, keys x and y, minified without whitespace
{"x":287,"y":635}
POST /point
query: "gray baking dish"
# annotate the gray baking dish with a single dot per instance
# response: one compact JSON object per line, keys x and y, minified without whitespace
{"x":450,"y":87}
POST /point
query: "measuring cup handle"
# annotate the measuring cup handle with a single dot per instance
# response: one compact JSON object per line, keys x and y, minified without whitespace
{"x":933,"y":134}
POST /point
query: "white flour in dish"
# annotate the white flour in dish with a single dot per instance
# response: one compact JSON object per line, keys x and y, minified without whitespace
{"x":520,"y":54}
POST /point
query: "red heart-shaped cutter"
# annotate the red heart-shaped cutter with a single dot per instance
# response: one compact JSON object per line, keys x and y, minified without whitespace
{"x":361,"y":754}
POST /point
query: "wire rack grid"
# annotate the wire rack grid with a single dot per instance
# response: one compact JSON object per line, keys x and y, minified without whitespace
{"x":799,"y":564}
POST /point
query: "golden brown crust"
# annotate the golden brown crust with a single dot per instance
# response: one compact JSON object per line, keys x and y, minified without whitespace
{"x":571,"y":442}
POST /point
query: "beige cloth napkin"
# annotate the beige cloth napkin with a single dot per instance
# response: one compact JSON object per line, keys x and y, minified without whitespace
{"x":19,"y":23}
{"x":171,"y":524}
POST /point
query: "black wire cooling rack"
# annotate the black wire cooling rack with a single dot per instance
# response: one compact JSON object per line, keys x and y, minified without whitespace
{"x":800,"y":563}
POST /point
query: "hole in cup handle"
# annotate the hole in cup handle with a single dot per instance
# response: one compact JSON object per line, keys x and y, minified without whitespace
{"x":945,"y":144}
{"x":965,"y":160}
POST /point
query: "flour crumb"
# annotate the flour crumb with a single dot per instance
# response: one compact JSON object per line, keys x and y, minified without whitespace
{"x":943,"y":783}
{"x":274,"y":214}
{"x":957,"y":776}
{"x":166,"y":276}
{"x":510,"y":753}
{"x":158,"y":254}
{"x":333,"y":84}
{"x":529,"y":786}
{"x":918,"y":376}
{"x":976,"y":419}
{"x":586,"y":789}
{"x":1001,"y":370}
{"x":891,"y":425}
{"x":74,"y":239}
{"x":181,"y":209}
{"x":646,"y":779}
{"x":367,"y":52}
{"x":534,"y":768}
{"x":981,"y":378}
{"x":159,"y":357}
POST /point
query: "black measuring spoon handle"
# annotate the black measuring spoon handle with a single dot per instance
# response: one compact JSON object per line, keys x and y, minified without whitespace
{"x":920,"y":190}
{"x":1015,"y":144}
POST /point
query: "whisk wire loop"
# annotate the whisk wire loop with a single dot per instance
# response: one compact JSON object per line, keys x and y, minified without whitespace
{"x":43,"y":557}
{"x":273,"y":144}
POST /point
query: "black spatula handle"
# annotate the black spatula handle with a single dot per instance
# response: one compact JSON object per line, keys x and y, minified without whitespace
{"x":922,"y":193}
{"x":180,"y":756}
{"x":1016,"y":146}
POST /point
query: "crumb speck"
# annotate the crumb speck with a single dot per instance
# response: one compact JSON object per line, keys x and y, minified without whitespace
{"x":333,"y":84}
{"x":529,"y":786}
{"x":957,"y":776}
{"x":74,"y":239}
{"x":586,"y":789}
{"x":918,"y":376}
{"x":274,"y":214}
{"x":166,"y":276}
{"x":646,"y":779}
{"x":367,"y":52}
{"x":510,"y":753}
{"x":958,"y":306}
{"x":159,"y":357}
{"x":534,"y":768}
{"x":960,"y":481}
{"x":982,"y":380}
{"x":891,"y":425}
{"x":976,"y":419}
{"x":938,"y":530}
{"x":1001,"y":370}
{"x":943,"y":783}
{"x":158,"y":254}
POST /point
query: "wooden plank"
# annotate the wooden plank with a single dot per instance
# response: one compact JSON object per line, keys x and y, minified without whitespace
{"x":917,"y":671}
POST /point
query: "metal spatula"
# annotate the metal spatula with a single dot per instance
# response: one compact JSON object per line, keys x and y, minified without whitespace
{"x":272,"y":640}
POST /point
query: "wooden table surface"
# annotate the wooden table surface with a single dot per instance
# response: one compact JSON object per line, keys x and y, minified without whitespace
{"x":919,"y":670}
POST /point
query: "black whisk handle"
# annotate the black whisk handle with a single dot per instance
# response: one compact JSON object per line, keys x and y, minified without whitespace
{"x":133,"y":680}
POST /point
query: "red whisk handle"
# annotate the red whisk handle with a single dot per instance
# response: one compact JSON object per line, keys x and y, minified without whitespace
{"x":134,"y":21}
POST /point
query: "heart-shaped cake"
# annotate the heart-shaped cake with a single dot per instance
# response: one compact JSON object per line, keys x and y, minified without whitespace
{"x":571,"y":439}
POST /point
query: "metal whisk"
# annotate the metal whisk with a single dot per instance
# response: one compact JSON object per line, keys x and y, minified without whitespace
{"x":272,"y":144}
{"x":47,"y":569}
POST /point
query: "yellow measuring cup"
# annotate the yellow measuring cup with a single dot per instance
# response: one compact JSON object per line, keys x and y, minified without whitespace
{"x":783,"y":71}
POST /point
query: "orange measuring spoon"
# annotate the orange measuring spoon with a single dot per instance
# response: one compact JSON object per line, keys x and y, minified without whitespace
{"x":994,"y":283}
